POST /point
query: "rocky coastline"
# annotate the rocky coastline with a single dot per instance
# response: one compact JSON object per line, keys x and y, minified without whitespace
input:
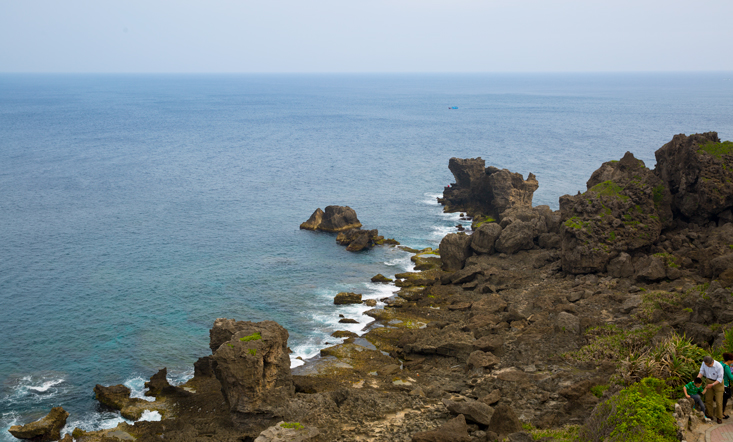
{"x":521,"y":330}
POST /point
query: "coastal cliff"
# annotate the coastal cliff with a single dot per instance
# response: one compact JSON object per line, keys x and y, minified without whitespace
{"x":517,"y":330}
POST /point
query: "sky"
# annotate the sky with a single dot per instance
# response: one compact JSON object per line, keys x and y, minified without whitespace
{"x":297,"y":36}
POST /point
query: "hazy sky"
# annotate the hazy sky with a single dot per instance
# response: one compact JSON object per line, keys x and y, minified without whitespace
{"x":365,"y":36}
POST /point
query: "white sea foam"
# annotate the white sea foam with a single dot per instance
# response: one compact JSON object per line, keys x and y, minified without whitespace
{"x":150,"y":416}
{"x":44,"y":387}
{"x":431,"y":199}
{"x":95,"y":422}
{"x":137,"y":388}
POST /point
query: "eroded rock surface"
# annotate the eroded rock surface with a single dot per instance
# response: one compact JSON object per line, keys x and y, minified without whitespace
{"x":487,"y":191}
{"x":625,"y":208}
{"x":252,"y":364}
{"x":333,"y":219}
{"x":698,"y":170}
{"x":46,"y":429}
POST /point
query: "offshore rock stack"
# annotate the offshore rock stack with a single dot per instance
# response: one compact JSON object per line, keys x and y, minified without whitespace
{"x":503,"y":329}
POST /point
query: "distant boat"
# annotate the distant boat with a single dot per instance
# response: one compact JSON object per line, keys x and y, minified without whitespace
{"x":453,"y":107}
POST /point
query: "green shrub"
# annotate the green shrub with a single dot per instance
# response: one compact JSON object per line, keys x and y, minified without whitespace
{"x":609,"y":342}
{"x":639,"y":413}
{"x":675,"y":359}
{"x":598,"y":390}
{"x":252,"y":351}
{"x":253,"y":337}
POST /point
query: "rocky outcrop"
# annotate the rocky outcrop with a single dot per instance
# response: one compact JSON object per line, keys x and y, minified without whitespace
{"x":625,"y":208}
{"x":252,"y":364}
{"x":357,"y":240}
{"x":46,"y":429}
{"x":334,"y":219}
{"x":486,"y":191}
{"x":118,"y":397}
{"x":698,"y":171}
{"x":158,"y":384}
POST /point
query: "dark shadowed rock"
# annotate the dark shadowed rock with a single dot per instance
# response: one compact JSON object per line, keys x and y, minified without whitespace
{"x":650,"y":269}
{"x":158,"y":383}
{"x":440,"y":342}
{"x":253,"y":368}
{"x":347,"y":298}
{"x":698,"y":170}
{"x":455,"y":430}
{"x":621,"y":266}
{"x":483,"y":239}
{"x":624,"y":212}
{"x":504,"y":421}
{"x":455,"y":248}
{"x":46,"y":429}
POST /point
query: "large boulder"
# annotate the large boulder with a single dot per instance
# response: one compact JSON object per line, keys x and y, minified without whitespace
{"x":517,"y":236}
{"x":252,"y":364}
{"x":483,"y":239}
{"x":698,"y":170}
{"x":504,"y":421}
{"x":625,"y":208}
{"x":46,"y":429}
{"x":488,"y":191}
{"x":455,"y":248}
{"x":472,"y":410}
{"x":333,"y":219}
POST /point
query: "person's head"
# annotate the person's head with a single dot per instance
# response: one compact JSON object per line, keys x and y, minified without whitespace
{"x":697,"y":380}
{"x":708,"y":360}
{"x":727,"y":357}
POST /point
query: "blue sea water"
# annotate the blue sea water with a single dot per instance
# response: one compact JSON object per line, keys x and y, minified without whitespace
{"x":136,"y":209}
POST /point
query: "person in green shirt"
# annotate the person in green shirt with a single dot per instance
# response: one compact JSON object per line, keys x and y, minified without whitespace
{"x":693,"y":390}
{"x":727,"y":378}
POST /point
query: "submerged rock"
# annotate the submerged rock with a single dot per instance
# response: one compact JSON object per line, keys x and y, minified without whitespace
{"x":347,"y":298}
{"x":46,"y":429}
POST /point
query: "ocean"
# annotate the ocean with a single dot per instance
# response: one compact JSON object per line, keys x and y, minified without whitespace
{"x":137,"y":209}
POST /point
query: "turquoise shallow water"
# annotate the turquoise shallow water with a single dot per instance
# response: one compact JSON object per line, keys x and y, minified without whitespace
{"x":134,"y":210}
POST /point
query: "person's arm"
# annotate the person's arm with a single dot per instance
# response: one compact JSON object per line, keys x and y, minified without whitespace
{"x":684,"y":387}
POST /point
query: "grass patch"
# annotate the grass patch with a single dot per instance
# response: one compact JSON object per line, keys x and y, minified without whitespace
{"x":609,"y":342}
{"x":717,"y":149}
{"x":576,"y":223}
{"x":478,"y":223}
{"x":608,"y":188}
{"x":252,"y":351}
{"x":658,"y":195}
{"x":293,"y":425}
{"x":253,"y":337}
